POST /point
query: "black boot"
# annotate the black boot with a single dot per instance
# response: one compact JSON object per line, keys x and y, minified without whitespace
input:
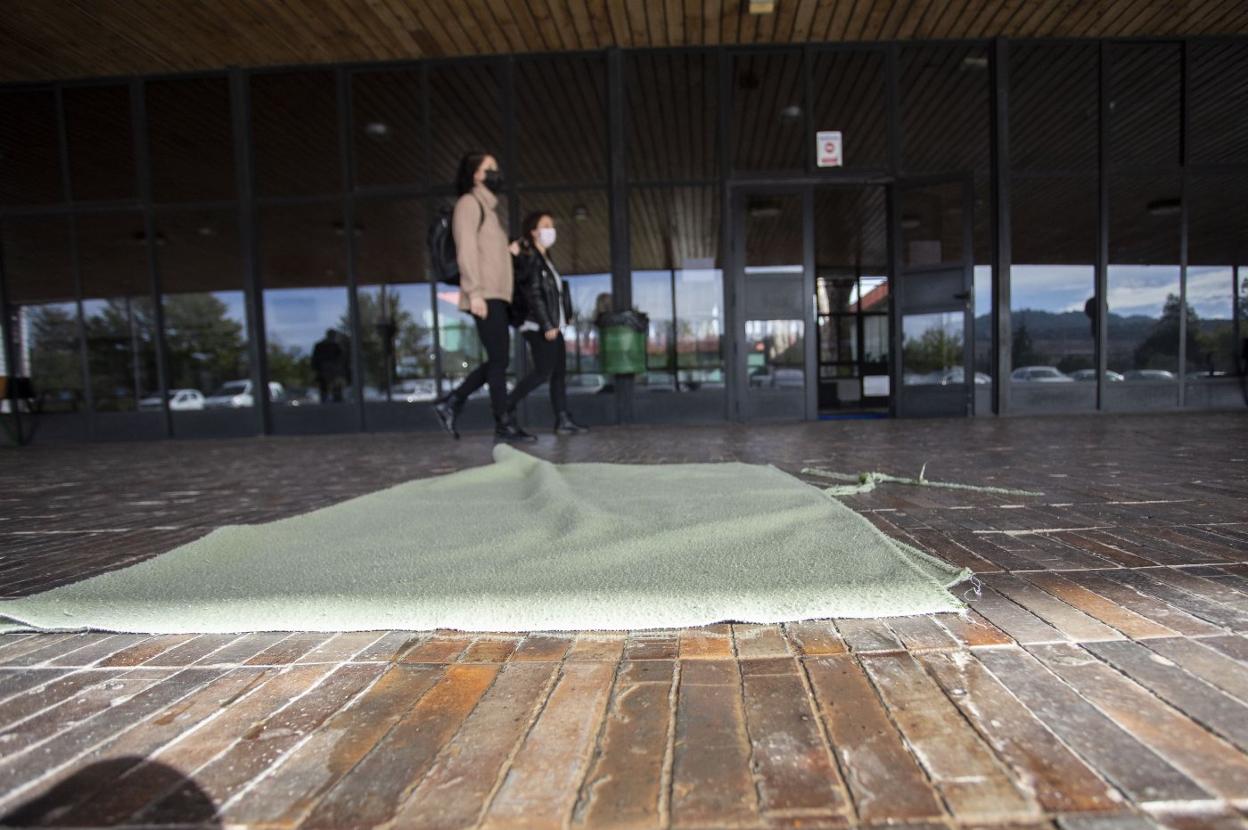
{"x":564,"y":425}
{"x":505,"y":429}
{"x":448,"y":410}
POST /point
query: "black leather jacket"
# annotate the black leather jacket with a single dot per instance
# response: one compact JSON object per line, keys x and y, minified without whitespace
{"x":541,"y":290}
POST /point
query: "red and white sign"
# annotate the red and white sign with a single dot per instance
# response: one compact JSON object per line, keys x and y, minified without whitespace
{"x":829,"y":148}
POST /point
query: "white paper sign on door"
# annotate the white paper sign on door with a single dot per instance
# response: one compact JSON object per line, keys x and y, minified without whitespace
{"x":829,"y":148}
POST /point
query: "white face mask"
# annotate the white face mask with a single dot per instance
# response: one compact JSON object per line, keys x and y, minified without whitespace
{"x":546,"y":236}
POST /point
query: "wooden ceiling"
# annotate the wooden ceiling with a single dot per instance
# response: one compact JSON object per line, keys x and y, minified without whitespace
{"x":57,"y":39}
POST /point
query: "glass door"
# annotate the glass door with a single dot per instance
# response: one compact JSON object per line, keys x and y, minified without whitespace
{"x":775,"y":289}
{"x":934,"y":271}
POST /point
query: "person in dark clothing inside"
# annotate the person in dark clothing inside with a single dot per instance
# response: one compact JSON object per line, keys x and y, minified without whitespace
{"x":329,"y":364}
{"x":549,"y":310}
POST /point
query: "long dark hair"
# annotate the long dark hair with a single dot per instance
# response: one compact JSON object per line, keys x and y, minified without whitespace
{"x":468,"y":167}
{"x":529,"y":225}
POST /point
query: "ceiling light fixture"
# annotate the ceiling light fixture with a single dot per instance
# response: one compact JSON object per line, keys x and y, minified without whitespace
{"x":377,"y":130}
{"x":762,"y":6}
{"x":792,"y":112}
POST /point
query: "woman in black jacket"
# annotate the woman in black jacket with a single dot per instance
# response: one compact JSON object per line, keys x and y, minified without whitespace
{"x":549,"y":310}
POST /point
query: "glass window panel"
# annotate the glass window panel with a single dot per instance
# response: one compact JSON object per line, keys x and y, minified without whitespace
{"x":582,"y":254}
{"x":305,"y":297}
{"x":396,"y":303}
{"x":101,"y":143}
{"x":387,"y":110}
{"x":1145,"y":86}
{"x":1219,"y":90}
{"x":457,"y":338}
{"x":459,"y":127}
{"x":673,"y":135}
{"x":201,"y":280}
{"x":1144,"y":278}
{"x":1053,"y":106}
{"x":850,"y":96}
{"x":294,"y":122}
{"x":932,"y":348}
{"x":768,"y":119}
{"x":561,"y":118}
{"x":931,"y":225}
{"x":1053,"y":280}
{"x":44,"y":321}
{"x":944,"y":108}
{"x":1217,"y":242}
{"x":118,"y":309}
{"x":30,"y":166}
{"x":677,"y":281}
{"x":191,"y":136}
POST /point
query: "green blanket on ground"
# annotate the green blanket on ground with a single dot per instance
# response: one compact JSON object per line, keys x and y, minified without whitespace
{"x":519,"y":545}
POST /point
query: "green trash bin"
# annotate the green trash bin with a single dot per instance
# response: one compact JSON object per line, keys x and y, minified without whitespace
{"x":623,"y":339}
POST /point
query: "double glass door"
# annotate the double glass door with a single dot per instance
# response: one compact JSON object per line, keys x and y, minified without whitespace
{"x":838,"y":307}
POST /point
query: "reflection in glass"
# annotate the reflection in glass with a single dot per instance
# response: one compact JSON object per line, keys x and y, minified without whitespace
{"x":191,"y":137}
{"x":777,"y":353}
{"x":386,"y":108}
{"x":456,"y":128}
{"x":395,"y":302}
{"x":45,"y":337}
{"x":1218,"y":87}
{"x":44,"y":323}
{"x":1053,"y":105}
{"x":932,"y":348}
{"x":1144,"y":307}
{"x":931,"y":225}
{"x":118,"y":311}
{"x":295,"y":126}
{"x":101,"y":142}
{"x":31,"y":172}
{"x":561,"y":118}
{"x":1145,"y":92}
{"x":1217,"y":242}
{"x":457,"y":338}
{"x":944,"y":108}
{"x":676,"y":281}
{"x":305,"y":298}
{"x":673,"y":137}
{"x":206,"y":338}
{"x":768,"y":115}
{"x":1053,"y":280}
{"x":849,"y":96}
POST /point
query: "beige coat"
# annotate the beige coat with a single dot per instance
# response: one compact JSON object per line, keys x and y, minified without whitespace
{"x":481,"y":248}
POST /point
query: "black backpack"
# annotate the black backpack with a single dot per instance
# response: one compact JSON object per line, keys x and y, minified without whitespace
{"x":441,"y":239}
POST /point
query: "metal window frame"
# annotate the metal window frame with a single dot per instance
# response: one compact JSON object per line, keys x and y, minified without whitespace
{"x":618,"y":185}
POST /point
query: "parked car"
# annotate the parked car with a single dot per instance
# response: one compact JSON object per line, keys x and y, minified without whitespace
{"x":1039,"y":374}
{"x":415,"y":391}
{"x":958,"y":375}
{"x":1085,"y":375}
{"x":1149,"y":374}
{"x":586,"y":383}
{"x":236,"y":394}
{"x":180,"y":400}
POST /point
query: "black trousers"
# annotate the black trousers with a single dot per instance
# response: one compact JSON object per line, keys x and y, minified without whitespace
{"x":550,"y":363}
{"x":496,"y":337}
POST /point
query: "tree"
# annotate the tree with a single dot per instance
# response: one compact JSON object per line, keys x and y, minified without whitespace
{"x":936,"y":350}
{"x":1022,"y":351}
{"x":205,"y":346}
{"x":387,"y":329}
{"x":1160,"y":349}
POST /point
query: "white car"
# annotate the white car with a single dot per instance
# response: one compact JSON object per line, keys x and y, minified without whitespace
{"x":415,"y":391}
{"x":236,"y":394}
{"x":1090,"y":375}
{"x":180,"y":400}
{"x":1149,"y":374}
{"x":1039,"y":374}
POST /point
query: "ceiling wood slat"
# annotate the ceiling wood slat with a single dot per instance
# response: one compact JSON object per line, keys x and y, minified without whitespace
{"x":41,"y":40}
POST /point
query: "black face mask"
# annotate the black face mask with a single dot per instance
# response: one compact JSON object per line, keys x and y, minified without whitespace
{"x":493,"y":180}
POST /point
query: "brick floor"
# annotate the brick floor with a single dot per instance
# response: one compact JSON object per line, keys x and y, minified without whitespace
{"x":1100,"y":683}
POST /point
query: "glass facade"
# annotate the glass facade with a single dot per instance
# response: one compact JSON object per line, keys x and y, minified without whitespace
{"x":178,"y":250}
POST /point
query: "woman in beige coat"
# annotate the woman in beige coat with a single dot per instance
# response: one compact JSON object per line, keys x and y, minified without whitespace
{"x":485,"y":289}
